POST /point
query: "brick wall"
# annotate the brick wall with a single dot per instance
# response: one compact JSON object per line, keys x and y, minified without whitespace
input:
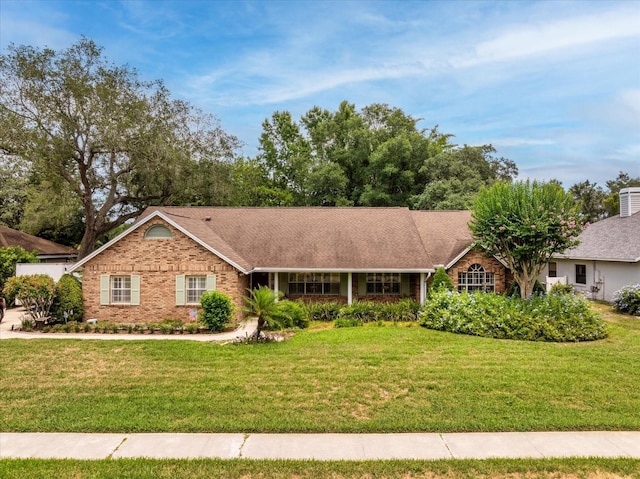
{"x":502,"y":276}
{"x":158,"y":262}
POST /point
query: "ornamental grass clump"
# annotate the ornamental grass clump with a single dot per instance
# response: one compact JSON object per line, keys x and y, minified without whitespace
{"x":627,"y":300}
{"x":554,"y":317}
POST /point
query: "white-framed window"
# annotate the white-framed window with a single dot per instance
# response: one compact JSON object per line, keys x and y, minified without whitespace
{"x":476,"y":279}
{"x":314,"y":283}
{"x":120,"y":289}
{"x":195,"y":287}
{"x":158,"y":232}
{"x":383,"y":283}
{"x":189,"y":288}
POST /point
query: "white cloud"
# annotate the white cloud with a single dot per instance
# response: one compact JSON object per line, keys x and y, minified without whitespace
{"x":526,"y":40}
{"x":515,"y":142}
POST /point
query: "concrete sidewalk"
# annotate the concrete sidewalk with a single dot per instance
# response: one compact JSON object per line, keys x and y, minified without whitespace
{"x":353,"y":447}
{"x":13,"y":320}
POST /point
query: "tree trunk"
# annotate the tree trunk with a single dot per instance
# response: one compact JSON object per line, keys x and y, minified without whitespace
{"x":259,"y":327}
{"x":88,"y":243}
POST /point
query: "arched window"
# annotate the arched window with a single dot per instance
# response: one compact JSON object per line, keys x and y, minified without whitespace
{"x":158,"y":232}
{"x":476,"y":279}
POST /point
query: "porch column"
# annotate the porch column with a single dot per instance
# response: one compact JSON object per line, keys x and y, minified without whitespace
{"x":349,"y":288}
{"x":276,"y":284}
{"x":423,"y":289}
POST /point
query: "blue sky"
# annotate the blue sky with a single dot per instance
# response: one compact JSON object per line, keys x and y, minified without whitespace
{"x":553,"y":85}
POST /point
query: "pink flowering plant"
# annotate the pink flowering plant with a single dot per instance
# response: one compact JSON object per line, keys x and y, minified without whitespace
{"x":524,"y":223}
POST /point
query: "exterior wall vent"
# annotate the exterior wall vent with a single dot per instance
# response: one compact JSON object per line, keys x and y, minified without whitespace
{"x":629,"y":201}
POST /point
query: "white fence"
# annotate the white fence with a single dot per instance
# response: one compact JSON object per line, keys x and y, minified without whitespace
{"x":55,"y":270}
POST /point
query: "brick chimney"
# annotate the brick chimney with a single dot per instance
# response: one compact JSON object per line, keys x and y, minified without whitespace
{"x":629,"y":201}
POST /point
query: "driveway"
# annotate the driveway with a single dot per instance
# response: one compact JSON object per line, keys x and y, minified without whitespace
{"x":13,"y":320}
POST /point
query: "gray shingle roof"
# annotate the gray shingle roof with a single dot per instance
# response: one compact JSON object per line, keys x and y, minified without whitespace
{"x":611,"y":239}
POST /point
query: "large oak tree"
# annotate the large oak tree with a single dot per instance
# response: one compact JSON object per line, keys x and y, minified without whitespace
{"x":116,"y":142}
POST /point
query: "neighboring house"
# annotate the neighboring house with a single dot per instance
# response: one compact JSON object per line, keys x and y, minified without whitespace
{"x":608,"y":256}
{"x":159,"y":267}
{"x":48,"y":251}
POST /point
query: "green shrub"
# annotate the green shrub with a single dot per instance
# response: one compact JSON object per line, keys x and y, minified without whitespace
{"x":559,"y":288}
{"x":441,"y":280}
{"x":323,"y":311}
{"x":538,"y":289}
{"x":68,"y":305}
{"x":36,"y":293}
{"x":347,"y":322}
{"x":364,"y":311}
{"x":402,"y":311}
{"x":627,"y":300}
{"x":295,"y":314}
{"x":217,"y":310}
{"x":541,"y":318}
{"x":9,"y":258}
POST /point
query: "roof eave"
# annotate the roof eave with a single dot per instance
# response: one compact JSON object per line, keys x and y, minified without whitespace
{"x":591,"y":258}
{"x":275,"y":269}
{"x":136,"y":225}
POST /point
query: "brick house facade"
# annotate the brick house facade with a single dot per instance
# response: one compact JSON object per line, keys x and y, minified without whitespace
{"x":159,"y":267}
{"x":501,"y":278}
{"x":158,"y":263}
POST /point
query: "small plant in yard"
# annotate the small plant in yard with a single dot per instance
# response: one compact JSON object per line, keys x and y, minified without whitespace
{"x":217,"y":310}
{"x":27,"y":323}
{"x":324,"y":311}
{"x":627,"y":300}
{"x":347,"y":323}
{"x":263,"y":304}
{"x":295,"y":314}
{"x":441,"y":280}
{"x":560,"y":288}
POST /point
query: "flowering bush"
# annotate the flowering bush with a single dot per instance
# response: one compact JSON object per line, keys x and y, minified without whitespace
{"x":557,"y":317}
{"x":627,"y":299}
{"x":36,"y":293}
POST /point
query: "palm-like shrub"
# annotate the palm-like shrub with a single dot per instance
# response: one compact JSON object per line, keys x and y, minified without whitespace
{"x":263,"y":304}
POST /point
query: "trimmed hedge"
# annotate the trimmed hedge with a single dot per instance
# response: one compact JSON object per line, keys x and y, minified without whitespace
{"x":217,"y":310}
{"x":554,"y":317}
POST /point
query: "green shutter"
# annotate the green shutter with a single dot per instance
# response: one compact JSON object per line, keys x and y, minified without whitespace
{"x":344,"y":284}
{"x":362,"y":284}
{"x":283,"y":282}
{"x":404,"y":284}
{"x":135,"y":290}
{"x":180,"y":290}
{"x":104,"y":289}
{"x":211,"y":282}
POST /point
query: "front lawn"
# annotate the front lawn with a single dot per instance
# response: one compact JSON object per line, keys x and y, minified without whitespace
{"x":366,"y":379}
{"x":248,"y":469}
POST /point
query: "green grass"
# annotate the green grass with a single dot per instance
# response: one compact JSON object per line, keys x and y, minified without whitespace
{"x":368,"y":379}
{"x":247,"y":469}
